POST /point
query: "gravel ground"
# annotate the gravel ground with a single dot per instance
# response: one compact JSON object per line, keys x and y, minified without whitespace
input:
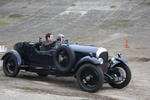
{"x":103,"y":23}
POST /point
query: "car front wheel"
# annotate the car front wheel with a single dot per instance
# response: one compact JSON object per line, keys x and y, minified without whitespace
{"x":90,"y":77}
{"x":121,"y":75}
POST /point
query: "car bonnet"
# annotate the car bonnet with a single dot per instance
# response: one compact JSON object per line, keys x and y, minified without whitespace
{"x":84,"y":48}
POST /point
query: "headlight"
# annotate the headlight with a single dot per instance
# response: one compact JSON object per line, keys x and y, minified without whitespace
{"x":101,"y":60}
{"x":113,"y":60}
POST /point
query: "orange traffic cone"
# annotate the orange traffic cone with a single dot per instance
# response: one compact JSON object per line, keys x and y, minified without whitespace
{"x":126,"y":44}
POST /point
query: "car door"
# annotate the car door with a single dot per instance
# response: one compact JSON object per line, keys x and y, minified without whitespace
{"x":41,"y":58}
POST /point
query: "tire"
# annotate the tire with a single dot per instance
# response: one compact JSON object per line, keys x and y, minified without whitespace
{"x":64,"y":58}
{"x":90,"y":77}
{"x":10,"y":66}
{"x":122,"y":83}
{"x":42,"y":75}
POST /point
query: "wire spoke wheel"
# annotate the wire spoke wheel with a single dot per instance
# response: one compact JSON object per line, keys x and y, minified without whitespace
{"x":121,"y":75}
{"x":63,"y":58}
{"x":10,"y":66}
{"x":90,"y":77}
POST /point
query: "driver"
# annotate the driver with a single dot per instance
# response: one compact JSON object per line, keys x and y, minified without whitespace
{"x":49,"y":43}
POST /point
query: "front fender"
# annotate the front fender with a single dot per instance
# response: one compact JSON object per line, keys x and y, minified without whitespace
{"x":87,"y":59}
{"x":117,"y":60}
{"x":121,"y":60}
{"x":13,"y":53}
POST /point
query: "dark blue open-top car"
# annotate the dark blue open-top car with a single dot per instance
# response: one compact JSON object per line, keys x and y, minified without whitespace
{"x":90,"y":65}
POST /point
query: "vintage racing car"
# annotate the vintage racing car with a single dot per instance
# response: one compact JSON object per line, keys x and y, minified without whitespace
{"x":90,"y":65}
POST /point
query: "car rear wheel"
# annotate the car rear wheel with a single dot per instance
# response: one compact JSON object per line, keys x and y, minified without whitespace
{"x":90,"y":77}
{"x":64,"y":58}
{"x":10,"y":66}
